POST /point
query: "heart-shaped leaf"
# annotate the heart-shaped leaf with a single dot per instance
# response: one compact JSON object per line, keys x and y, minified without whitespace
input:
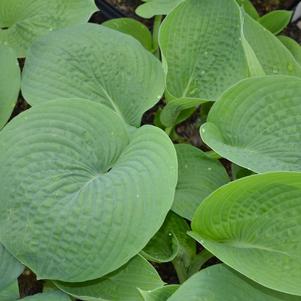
{"x":86,"y":201}
{"x":153,"y":8}
{"x":170,"y":241}
{"x":10,"y":268}
{"x":97,"y":63}
{"x":222,"y":283}
{"x":51,"y":296}
{"x":21,"y":22}
{"x":133,"y":28}
{"x":159,"y":294}
{"x":254,"y":226}
{"x":273,"y":56}
{"x":121,"y":285}
{"x":198,"y":177}
{"x":201,"y":48}
{"x":9,"y":83}
{"x":292,"y":46}
{"x":257,"y":124}
{"x":275,"y":21}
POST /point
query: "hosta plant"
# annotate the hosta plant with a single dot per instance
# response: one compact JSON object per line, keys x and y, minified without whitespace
{"x":102,"y":197}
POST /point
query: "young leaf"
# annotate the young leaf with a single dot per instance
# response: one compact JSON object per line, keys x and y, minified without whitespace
{"x":10,"y":268}
{"x":133,"y":28}
{"x":198,"y":177}
{"x":275,"y":21}
{"x":9,"y":293}
{"x":159,"y":294}
{"x":292,"y":46}
{"x":257,"y":124}
{"x":156,"y":7}
{"x":86,"y":201}
{"x":51,"y":296}
{"x":273,"y":56}
{"x":254,"y":226}
{"x":121,"y":285}
{"x":21,"y":22}
{"x":9,"y":83}
{"x":97,"y":63}
{"x":219,"y":282}
{"x":201,"y":48}
{"x":170,"y":241}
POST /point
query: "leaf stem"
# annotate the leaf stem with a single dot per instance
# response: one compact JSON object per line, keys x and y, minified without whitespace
{"x":180,"y":270}
{"x":156,"y":28}
{"x":199,"y":260}
{"x":213,"y":155}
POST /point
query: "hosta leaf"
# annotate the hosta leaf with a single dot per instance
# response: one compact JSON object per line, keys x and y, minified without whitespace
{"x":152,"y":8}
{"x":11,"y":292}
{"x":198,"y":177}
{"x":51,"y":296}
{"x":170,"y":241}
{"x":292,"y":46}
{"x":121,"y":285}
{"x":10,"y":268}
{"x":249,"y":8}
{"x":159,"y":294}
{"x":97,"y":63}
{"x":200,"y":43}
{"x":219,"y":282}
{"x":77,"y":158}
{"x":9,"y":83}
{"x":133,"y":28}
{"x":273,"y":56}
{"x":275,"y":21}
{"x":257,"y":124}
{"x":22,"y":21}
{"x":254,"y":226}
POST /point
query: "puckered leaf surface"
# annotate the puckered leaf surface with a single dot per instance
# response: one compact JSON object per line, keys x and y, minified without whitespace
{"x":90,"y":194}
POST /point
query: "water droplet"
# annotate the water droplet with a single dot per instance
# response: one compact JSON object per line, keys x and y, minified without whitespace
{"x":50,"y":29}
{"x":206,"y":53}
{"x":203,"y":72}
{"x":275,"y":70}
{"x":203,"y":130}
{"x":137,"y":196}
{"x":186,"y":166}
{"x":290,"y":67}
{"x":209,"y":168}
{"x":169,"y":234}
{"x":239,"y":39}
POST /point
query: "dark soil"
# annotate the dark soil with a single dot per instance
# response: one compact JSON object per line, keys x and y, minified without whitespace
{"x":187,"y":131}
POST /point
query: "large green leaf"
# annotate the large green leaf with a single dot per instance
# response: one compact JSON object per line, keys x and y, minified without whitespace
{"x":97,"y":63}
{"x":273,"y":56}
{"x":257,"y":124}
{"x":152,"y":8}
{"x":9,"y":83}
{"x":220,"y":283}
{"x":22,"y":21}
{"x":10,"y":268}
{"x":11,"y":292}
{"x":292,"y":46}
{"x":202,"y":52}
{"x":121,"y":285}
{"x":159,"y":294}
{"x":254,"y":226}
{"x":198,"y":177}
{"x":51,"y":296}
{"x":134,"y":28}
{"x":85,"y":202}
{"x":171,"y":241}
{"x":275,"y":21}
